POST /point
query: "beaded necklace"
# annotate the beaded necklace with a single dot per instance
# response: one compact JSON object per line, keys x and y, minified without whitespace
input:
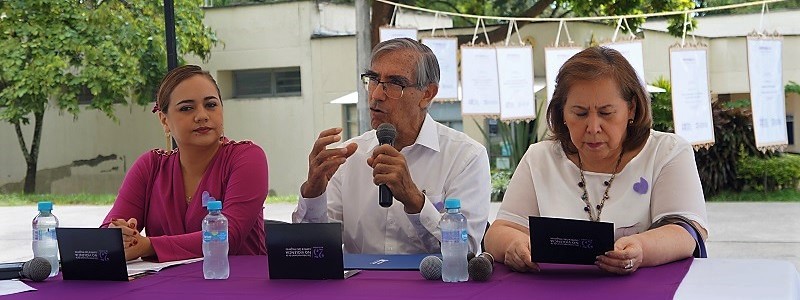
{"x":585,"y":196}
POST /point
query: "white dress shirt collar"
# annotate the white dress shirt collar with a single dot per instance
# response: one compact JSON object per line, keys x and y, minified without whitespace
{"x":428,"y":136}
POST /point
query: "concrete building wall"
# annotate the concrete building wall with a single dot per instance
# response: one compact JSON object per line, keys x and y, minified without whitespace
{"x":89,"y":154}
{"x":92,"y":153}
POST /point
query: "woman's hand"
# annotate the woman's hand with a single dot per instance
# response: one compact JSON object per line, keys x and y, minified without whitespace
{"x":135,"y":244}
{"x":129,"y":231}
{"x":518,"y":256}
{"x":626,"y":257}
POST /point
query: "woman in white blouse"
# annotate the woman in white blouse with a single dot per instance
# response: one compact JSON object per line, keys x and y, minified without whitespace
{"x":603,"y":162}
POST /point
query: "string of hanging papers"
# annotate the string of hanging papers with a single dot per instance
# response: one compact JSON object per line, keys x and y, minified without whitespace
{"x":497,"y":80}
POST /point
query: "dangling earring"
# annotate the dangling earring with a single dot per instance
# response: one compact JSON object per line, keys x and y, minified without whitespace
{"x":222,"y":136}
{"x":168,"y":140}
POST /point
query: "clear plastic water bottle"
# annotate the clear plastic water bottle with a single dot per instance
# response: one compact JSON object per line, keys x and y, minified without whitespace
{"x":215,"y":243}
{"x":45,"y":244}
{"x":454,"y":243}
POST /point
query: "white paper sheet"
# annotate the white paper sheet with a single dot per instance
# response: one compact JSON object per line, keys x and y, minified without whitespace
{"x":445,"y":50}
{"x":481,"y":93}
{"x":515,"y":77}
{"x":388,"y":33}
{"x":691,"y":98}
{"x":766,"y":91}
{"x":139,"y":266}
{"x":633,"y":53}
{"x":554,"y":58}
{"x":13,"y":286}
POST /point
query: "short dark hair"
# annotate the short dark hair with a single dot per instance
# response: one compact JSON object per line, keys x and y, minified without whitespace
{"x":175,"y":77}
{"x":592,"y":64}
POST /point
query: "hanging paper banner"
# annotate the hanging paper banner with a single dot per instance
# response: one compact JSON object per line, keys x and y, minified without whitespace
{"x":515,"y":74}
{"x":388,"y":33}
{"x":481,"y":94}
{"x":765,"y":69}
{"x":446,"y":50}
{"x":554,"y":58}
{"x":691,"y":98}
{"x":632,"y":51}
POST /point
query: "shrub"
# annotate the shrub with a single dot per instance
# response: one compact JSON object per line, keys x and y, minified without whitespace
{"x":662,"y":106}
{"x":733,"y":134}
{"x":769,"y":174}
{"x":500,"y":179}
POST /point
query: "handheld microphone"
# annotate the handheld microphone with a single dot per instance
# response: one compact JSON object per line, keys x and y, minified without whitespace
{"x":36,"y":269}
{"x":481,"y":267}
{"x":386,"y":134}
{"x":431,"y":268}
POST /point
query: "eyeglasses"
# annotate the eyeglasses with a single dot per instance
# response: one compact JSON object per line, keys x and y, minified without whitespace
{"x":390,"y":89}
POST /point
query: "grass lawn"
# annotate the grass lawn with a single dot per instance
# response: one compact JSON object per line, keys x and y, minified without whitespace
{"x":108,"y":199}
{"x":90,"y":199}
{"x":788,"y":195}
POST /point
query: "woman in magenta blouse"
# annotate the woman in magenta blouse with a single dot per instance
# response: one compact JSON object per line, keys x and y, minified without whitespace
{"x":165,"y":192}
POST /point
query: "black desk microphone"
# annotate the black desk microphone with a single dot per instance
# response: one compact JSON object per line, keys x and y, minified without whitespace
{"x":36,"y":269}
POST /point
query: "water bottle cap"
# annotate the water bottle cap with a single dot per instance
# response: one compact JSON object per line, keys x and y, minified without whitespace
{"x":214,"y":205}
{"x":452,"y":203}
{"x":45,"y":206}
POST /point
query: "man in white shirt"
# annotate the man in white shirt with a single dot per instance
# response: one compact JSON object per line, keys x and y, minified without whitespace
{"x":427,"y":164}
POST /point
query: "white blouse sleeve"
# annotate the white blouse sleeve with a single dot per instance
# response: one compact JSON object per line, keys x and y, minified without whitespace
{"x":677,"y":189}
{"x":520,"y":201}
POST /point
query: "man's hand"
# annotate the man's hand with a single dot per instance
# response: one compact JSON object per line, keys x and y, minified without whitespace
{"x":323,"y":163}
{"x":389,"y":168}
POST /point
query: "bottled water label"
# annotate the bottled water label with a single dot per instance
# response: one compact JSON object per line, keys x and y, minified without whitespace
{"x":215,"y":236}
{"x":454,"y":235}
{"x":44,"y":233}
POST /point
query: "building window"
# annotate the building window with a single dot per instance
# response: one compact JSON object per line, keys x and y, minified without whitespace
{"x":350,"y":116}
{"x":260,"y":83}
{"x":447,"y":113}
{"x":85,"y":97}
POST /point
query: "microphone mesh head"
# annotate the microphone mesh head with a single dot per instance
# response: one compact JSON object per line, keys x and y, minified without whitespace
{"x":36,"y":269}
{"x":386,"y":133}
{"x":480,"y":268}
{"x":431,"y":268}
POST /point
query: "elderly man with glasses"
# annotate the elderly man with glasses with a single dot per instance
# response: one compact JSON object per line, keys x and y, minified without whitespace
{"x":427,"y":164}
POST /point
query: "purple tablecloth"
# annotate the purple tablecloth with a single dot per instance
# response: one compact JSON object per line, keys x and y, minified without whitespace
{"x":249,"y":280}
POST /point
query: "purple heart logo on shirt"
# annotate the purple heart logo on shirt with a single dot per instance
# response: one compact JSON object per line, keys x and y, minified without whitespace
{"x":641,"y":186}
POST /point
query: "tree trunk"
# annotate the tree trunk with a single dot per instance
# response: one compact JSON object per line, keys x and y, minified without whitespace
{"x":32,"y":156}
{"x":381,"y":15}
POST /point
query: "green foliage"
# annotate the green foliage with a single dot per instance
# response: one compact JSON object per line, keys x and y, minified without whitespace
{"x":115,"y":50}
{"x":769,"y":174}
{"x":785,"y":195}
{"x":281,"y":199}
{"x":792,"y":87}
{"x":73,"y":199}
{"x":788,"y":4}
{"x":733,"y":133}
{"x":662,"y":106}
{"x":108,"y":52}
{"x":500,"y":180}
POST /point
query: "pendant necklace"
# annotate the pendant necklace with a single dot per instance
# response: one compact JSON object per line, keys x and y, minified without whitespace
{"x":585,"y":197}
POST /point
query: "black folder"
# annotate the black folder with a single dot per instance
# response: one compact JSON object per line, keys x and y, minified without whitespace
{"x":92,"y":254}
{"x":567,"y":241}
